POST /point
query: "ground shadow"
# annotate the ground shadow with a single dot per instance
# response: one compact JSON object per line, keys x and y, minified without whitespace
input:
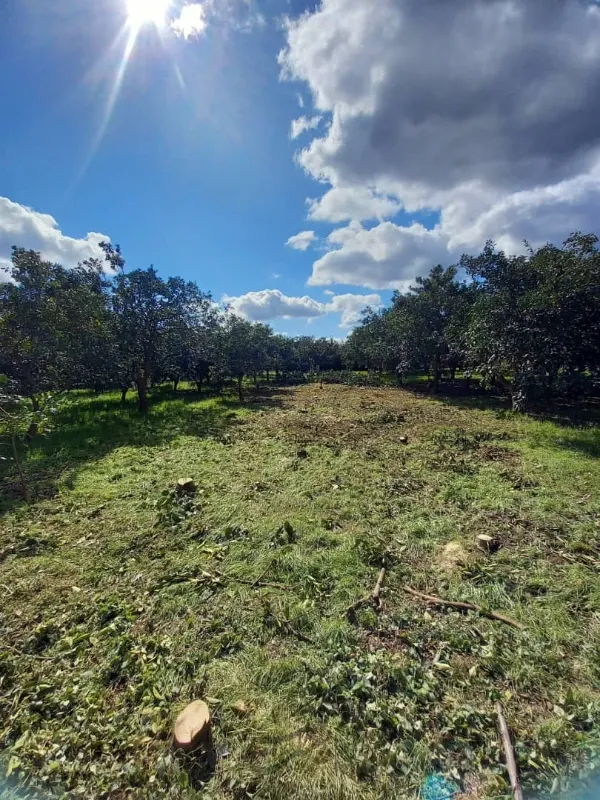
{"x":461,"y":395}
{"x":89,"y":426}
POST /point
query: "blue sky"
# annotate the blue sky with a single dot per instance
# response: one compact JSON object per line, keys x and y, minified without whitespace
{"x":199,"y":179}
{"x":409,"y":163}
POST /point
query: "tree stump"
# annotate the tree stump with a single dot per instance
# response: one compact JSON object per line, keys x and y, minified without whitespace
{"x":186,"y":486}
{"x":192,"y":728}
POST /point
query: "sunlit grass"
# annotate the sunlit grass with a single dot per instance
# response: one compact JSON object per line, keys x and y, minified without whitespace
{"x":123,"y":604}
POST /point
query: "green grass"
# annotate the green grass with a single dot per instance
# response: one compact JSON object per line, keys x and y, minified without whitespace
{"x":123,"y":601}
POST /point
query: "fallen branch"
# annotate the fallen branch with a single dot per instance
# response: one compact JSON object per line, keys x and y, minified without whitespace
{"x":375,"y":594}
{"x":439,"y":601}
{"x":373,"y":599}
{"x":257,"y":584}
{"x":511,"y":763}
{"x":298,"y":634}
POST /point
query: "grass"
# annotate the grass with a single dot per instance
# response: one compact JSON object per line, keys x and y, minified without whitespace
{"x":123,"y":600}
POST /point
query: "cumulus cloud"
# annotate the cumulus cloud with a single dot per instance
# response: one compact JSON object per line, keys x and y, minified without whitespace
{"x":482,"y":111}
{"x":270,"y":304}
{"x":303,"y":124}
{"x":344,"y":203}
{"x":24,"y":227}
{"x":302,"y":240}
{"x":351,"y":306}
{"x":191,"y":21}
{"x":387,"y":256}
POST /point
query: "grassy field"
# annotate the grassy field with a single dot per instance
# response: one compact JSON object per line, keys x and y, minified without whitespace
{"x":122,"y":600}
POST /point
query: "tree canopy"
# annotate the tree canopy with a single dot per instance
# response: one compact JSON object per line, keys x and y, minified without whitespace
{"x":530,"y":323}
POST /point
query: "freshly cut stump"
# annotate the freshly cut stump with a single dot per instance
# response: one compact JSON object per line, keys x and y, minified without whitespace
{"x":186,"y":486}
{"x":192,"y":727}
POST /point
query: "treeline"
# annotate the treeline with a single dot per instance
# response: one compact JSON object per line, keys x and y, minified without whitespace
{"x":530,"y":324}
{"x":79,"y":328}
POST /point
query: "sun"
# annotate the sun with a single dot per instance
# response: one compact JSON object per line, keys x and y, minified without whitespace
{"x":144,"y":12}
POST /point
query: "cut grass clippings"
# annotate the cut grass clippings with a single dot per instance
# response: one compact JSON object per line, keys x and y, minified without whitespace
{"x":124,"y":599}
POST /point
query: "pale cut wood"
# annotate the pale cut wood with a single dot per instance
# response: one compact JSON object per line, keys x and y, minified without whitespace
{"x":192,"y":727}
{"x":373,"y":599}
{"x":511,"y":763}
{"x":375,"y":595}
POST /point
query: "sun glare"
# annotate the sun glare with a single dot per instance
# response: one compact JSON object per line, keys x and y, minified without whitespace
{"x":144,"y":12}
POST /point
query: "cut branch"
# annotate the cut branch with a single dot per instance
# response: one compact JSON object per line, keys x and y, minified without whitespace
{"x":511,"y":763}
{"x":440,"y":601}
{"x":373,"y":599}
{"x":375,"y":595}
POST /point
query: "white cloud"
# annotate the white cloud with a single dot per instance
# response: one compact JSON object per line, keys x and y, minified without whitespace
{"x":387,"y":256}
{"x":303,"y":124}
{"x":24,"y":227}
{"x":344,"y":203}
{"x":270,"y":304}
{"x":5,"y":276}
{"x":482,"y":112}
{"x":191,"y":21}
{"x":302,"y":240}
{"x":351,"y":306}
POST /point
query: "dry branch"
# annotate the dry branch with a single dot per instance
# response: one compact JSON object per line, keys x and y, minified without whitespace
{"x":511,"y":763}
{"x":373,"y":599}
{"x":375,"y":594}
{"x":440,"y":601}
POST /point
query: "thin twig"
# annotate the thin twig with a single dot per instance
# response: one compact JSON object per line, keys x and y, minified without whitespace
{"x":298,"y":634}
{"x":511,"y":763}
{"x":255,"y":583}
{"x":18,"y":652}
{"x":262,"y":574}
{"x":440,"y":601}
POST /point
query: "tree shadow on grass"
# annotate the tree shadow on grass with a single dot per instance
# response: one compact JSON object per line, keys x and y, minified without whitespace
{"x":87,"y":427}
{"x":459,"y":395}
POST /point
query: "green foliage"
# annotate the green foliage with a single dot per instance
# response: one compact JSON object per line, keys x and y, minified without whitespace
{"x":533,"y":318}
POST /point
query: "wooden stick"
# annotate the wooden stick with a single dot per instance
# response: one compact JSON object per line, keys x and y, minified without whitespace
{"x":511,"y":763}
{"x":373,"y":599}
{"x":439,"y":601}
{"x":298,"y":634}
{"x":375,"y":594}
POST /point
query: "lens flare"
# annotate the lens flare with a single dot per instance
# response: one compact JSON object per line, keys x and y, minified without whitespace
{"x":147,"y":12}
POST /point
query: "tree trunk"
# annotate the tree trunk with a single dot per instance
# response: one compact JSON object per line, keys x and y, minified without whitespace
{"x":240,"y":391}
{"x":268,"y":373}
{"x":22,"y":479}
{"x":33,"y":428}
{"x":199,"y":385}
{"x":436,"y":375}
{"x":175,"y":384}
{"x":452,"y":374}
{"x":124,"y":390}
{"x":141,"y":382}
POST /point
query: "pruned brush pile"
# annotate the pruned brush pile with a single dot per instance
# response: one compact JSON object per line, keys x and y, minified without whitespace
{"x":125,"y":596}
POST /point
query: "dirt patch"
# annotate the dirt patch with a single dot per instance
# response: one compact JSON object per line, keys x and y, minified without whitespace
{"x":392,"y":641}
{"x":453,"y":557}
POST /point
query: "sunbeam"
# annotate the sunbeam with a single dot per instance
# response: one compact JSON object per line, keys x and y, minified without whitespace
{"x":131,"y":34}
